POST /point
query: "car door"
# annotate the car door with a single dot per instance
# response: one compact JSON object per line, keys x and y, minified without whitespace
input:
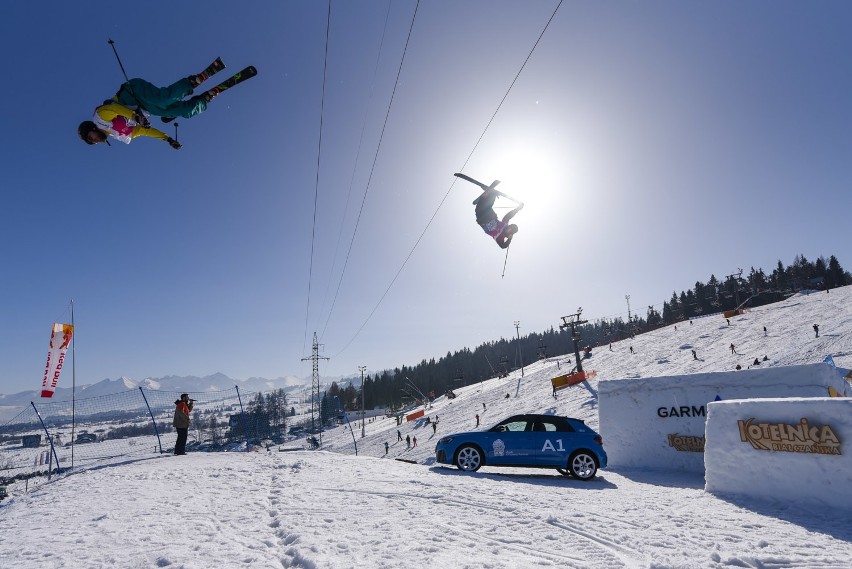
{"x":507,"y":443}
{"x":549,"y":442}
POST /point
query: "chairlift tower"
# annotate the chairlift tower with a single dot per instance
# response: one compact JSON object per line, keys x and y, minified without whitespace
{"x":572,"y":321}
{"x":739,"y":278}
{"x":315,"y":384}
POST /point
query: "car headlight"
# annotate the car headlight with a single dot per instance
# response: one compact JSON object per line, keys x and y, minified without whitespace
{"x":445,"y":441}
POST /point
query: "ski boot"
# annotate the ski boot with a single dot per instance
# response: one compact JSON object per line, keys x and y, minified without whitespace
{"x":212,"y":69}
{"x":196,"y":80}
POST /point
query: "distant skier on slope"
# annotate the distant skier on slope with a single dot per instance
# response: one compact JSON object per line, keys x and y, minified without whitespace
{"x":500,"y":229}
{"x":125,"y":116}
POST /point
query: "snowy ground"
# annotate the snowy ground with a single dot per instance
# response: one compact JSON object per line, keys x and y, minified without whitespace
{"x":326,"y":509}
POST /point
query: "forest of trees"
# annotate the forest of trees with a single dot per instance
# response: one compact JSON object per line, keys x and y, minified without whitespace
{"x":265,"y":418}
{"x":395,"y":388}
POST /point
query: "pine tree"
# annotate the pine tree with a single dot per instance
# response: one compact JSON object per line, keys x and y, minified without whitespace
{"x":836,"y":275}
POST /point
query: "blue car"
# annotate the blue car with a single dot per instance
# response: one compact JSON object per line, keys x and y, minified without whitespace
{"x":532,"y":441}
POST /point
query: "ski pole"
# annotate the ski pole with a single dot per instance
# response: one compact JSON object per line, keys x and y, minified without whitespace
{"x":504,"y":263}
{"x":126,"y":78}
{"x":176,"y":125}
{"x":115,"y":51}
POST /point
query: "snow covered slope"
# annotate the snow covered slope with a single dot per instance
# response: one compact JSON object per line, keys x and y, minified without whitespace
{"x":789,"y":339}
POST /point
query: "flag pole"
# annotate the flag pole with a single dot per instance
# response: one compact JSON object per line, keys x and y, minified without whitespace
{"x":73,"y":382}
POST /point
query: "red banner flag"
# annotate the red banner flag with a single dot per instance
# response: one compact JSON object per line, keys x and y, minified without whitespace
{"x":60,"y":338}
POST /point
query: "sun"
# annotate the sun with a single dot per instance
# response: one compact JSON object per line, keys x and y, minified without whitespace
{"x":527,"y":172}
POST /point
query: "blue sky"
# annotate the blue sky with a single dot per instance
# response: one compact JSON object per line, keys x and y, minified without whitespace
{"x":653,"y":144}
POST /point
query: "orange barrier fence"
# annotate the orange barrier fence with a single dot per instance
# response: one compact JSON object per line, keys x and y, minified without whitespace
{"x":415,"y":415}
{"x":569,"y":379}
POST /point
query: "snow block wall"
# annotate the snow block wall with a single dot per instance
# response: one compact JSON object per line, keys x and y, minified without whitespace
{"x":658,"y":422}
{"x":790,"y":450}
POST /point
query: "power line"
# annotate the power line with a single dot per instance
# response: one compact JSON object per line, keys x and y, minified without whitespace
{"x":431,"y":219}
{"x":316,"y":185}
{"x":352,"y":179}
{"x":375,"y":158}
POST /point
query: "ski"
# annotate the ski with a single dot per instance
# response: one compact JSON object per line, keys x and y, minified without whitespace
{"x":243,"y":75}
{"x":487,"y":188}
{"x":212,"y":69}
{"x":477,"y":182}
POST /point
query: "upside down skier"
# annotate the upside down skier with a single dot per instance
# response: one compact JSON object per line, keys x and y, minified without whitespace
{"x":125,"y":116}
{"x":499,"y":229}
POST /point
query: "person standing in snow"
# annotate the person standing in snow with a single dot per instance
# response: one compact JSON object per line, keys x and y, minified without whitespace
{"x":694,"y":355}
{"x":733,"y":349}
{"x":764,"y":331}
{"x":434,"y":427}
{"x":477,"y":420}
{"x":386,"y":447}
{"x":407,"y":441}
{"x":398,"y":435}
{"x":183,"y":407}
{"x":816,"y":330}
{"x":414,"y":441}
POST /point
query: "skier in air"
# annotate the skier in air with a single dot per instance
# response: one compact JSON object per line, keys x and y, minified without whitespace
{"x":500,"y":229}
{"x":125,"y":116}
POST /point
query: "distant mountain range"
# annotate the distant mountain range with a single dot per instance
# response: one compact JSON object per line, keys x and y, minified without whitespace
{"x":215,"y":382}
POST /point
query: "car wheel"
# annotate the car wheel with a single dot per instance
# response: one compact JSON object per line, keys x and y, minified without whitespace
{"x":582,"y":465}
{"x":469,"y":458}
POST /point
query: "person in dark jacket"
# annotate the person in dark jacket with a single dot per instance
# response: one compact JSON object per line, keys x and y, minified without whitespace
{"x":183,"y":407}
{"x":500,"y":229}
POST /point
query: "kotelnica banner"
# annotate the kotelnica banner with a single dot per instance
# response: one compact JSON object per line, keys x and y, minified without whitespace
{"x":60,"y":338}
